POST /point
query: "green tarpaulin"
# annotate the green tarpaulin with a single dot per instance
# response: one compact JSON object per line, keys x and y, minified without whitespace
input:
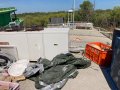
{"x":61,"y":68}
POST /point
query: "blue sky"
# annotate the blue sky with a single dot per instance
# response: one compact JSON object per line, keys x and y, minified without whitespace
{"x":53,"y":5}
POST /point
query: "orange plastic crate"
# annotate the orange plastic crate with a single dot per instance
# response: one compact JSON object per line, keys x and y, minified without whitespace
{"x":99,"y":53}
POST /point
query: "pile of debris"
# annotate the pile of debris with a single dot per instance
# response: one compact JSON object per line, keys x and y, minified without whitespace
{"x":47,"y":75}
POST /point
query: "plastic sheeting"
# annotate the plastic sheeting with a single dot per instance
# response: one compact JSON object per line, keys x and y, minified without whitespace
{"x":62,"y":67}
{"x":18,"y":68}
{"x":33,"y":69}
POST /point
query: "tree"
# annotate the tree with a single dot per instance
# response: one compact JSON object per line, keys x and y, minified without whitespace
{"x":40,"y":19}
{"x":86,"y":10}
{"x":115,"y":16}
{"x":101,"y":18}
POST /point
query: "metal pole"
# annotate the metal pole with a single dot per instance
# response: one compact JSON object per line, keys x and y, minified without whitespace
{"x":94,"y":4}
{"x":73,"y":13}
{"x":71,"y":17}
{"x":68,"y":19}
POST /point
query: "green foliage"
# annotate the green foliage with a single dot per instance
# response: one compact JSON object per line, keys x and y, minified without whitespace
{"x":101,"y":18}
{"x":107,"y":18}
{"x":86,"y":13}
{"x":41,"y":19}
{"x":86,"y":10}
{"x":115,"y":15}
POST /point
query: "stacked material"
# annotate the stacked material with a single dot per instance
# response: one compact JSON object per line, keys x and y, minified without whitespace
{"x":7,"y":82}
{"x":47,"y":75}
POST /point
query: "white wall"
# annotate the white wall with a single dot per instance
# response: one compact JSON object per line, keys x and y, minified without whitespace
{"x":33,"y":45}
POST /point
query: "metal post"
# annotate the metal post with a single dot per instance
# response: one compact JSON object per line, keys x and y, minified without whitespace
{"x":68,"y":19}
{"x":94,"y":4}
{"x":73,"y":13}
{"x":71,"y":17}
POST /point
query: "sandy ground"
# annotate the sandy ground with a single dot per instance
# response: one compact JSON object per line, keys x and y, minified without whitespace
{"x":88,"y":79}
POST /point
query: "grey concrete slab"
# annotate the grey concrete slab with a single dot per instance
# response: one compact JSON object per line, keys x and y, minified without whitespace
{"x":79,"y":37}
{"x":91,"y":78}
{"x":27,"y":85}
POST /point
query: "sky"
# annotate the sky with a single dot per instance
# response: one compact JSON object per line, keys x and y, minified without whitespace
{"x":53,"y":5}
